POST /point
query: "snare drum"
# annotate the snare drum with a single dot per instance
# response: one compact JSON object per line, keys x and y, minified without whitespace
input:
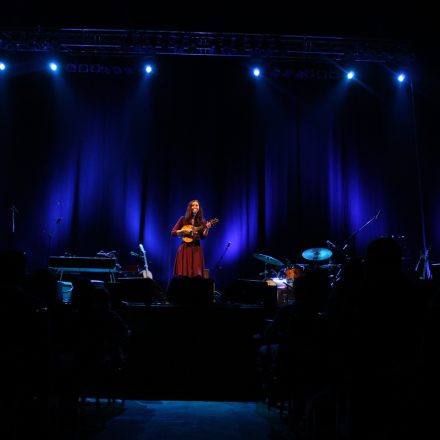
{"x":293,"y":272}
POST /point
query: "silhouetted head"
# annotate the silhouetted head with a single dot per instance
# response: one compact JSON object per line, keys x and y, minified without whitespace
{"x":100,"y":298}
{"x":353,"y":271}
{"x":384,"y":259}
{"x":81,"y":293}
{"x":44,"y":286}
{"x":313,"y":289}
{"x":12,"y":267}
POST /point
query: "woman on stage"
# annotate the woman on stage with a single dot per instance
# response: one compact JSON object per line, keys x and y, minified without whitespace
{"x":192,"y":227}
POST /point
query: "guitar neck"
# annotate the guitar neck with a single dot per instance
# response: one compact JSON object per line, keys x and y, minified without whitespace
{"x":144,"y":256}
{"x":198,"y":228}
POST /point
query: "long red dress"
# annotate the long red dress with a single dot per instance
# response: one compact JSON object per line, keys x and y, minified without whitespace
{"x":189,"y":258}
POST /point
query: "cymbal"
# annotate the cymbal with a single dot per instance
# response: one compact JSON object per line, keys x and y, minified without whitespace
{"x":268,"y":259}
{"x":317,"y":254}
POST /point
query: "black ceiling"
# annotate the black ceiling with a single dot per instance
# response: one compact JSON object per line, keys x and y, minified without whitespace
{"x":354,"y":19}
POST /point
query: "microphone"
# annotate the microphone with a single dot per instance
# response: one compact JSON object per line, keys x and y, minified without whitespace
{"x":377,"y":215}
{"x":332,"y":245}
{"x":229,"y":244}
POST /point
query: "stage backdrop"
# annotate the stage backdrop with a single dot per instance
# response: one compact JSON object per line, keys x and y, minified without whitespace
{"x":102,"y":157}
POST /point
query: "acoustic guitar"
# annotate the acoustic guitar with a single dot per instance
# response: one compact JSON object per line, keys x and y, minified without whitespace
{"x":189,"y":231}
{"x":145,"y":273}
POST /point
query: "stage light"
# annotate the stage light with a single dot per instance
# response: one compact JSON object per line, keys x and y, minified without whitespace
{"x":148,"y":69}
{"x":53,"y":66}
{"x":350,"y":74}
{"x":2,"y":66}
{"x":401,"y":77}
{"x":256,"y":72}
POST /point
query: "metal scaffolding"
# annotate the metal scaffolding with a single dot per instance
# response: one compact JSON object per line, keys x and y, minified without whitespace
{"x":130,"y":43}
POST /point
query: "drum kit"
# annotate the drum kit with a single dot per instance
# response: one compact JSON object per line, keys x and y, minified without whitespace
{"x":292,"y":271}
{"x":286,"y":274}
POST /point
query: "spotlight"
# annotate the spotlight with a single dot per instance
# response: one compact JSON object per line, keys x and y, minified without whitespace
{"x":2,"y":66}
{"x":148,"y":69}
{"x":401,"y":77}
{"x":350,"y":74}
{"x":256,"y":72}
{"x":53,"y":66}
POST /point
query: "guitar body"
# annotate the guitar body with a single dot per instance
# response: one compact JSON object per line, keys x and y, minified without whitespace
{"x":147,"y":274}
{"x":190,"y":231}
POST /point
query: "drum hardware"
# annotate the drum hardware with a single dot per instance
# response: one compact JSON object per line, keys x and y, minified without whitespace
{"x":317,"y":254}
{"x":330,"y":266}
{"x":291,"y":272}
{"x":267,"y":259}
{"x":285,"y":291}
{"x":294,"y":272}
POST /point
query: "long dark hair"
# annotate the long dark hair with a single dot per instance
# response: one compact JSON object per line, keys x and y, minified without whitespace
{"x":199,"y":216}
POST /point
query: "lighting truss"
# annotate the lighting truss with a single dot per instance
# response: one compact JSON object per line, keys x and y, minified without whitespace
{"x":119,"y":42}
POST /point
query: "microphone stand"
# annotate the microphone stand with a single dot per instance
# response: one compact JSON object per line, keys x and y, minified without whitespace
{"x":353,"y":235}
{"x":12,"y":237}
{"x":14,"y":211}
{"x":50,"y":234}
{"x":217,"y":264}
{"x":264,"y":272}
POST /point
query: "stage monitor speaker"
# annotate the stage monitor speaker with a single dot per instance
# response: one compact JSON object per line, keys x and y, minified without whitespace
{"x":191,"y":291}
{"x":254,"y":292}
{"x":134,"y":290}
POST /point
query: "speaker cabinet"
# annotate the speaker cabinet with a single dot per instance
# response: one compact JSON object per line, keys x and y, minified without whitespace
{"x":191,"y":291}
{"x":253,"y":292}
{"x":134,"y":290}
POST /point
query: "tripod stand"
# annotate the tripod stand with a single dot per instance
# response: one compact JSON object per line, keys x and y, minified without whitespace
{"x":426,"y":265}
